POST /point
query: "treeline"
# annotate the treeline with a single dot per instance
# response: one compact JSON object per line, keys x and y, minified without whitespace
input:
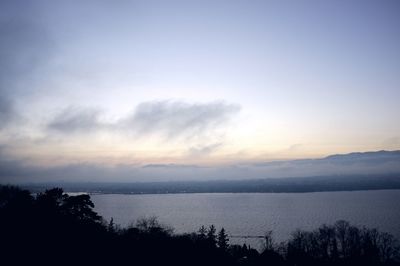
{"x":53,"y":228}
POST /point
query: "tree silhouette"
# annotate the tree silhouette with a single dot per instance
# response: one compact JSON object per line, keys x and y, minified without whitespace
{"x":222,"y":239}
{"x":152,"y":226}
{"x":268,"y":241}
{"x":202,"y":232}
{"x":53,"y":225}
{"x":51,"y":199}
{"x":80,"y":207}
{"x":211,"y":235}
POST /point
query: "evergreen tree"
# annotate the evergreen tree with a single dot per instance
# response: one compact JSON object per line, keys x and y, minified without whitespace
{"x":111,"y":226}
{"x":223,"y":239}
{"x":202,"y":232}
{"x":211,"y":235}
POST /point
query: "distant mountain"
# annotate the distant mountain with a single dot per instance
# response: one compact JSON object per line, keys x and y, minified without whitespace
{"x":357,"y":163}
{"x":354,"y":157}
{"x":379,"y":163}
{"x":353,"y":171}
{"x":377,"y":156}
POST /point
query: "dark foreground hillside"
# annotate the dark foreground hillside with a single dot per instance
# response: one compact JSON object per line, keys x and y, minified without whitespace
{"x":53,"y":228}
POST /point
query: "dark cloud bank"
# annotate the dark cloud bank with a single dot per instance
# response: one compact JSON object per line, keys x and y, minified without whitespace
{"x":374,"y":163}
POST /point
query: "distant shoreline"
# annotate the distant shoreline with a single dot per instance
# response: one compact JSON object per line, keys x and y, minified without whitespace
{"x":244,"y":192}
{"x":268,"y":185}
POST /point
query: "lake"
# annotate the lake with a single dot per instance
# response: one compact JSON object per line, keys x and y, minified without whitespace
{"x":252,"y":214}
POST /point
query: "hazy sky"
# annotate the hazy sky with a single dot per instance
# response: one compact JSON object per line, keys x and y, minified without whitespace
{"x":197,"y":82}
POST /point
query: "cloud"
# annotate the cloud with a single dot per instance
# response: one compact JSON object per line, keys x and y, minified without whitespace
{"x":295,"y":147}
{"x":73,"y":119}
{"x":169,"y":119}
{"x":24,"y":47}
{"x":173,"y":118}
{"x":7,"y":111}
{"x":170,"y":166}
{"x":200,"y":151}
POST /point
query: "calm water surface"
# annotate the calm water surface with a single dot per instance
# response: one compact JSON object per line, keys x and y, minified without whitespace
{"x":252,"y":214}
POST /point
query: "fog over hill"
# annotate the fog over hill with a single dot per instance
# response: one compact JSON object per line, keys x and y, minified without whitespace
{"x":367,"y":163}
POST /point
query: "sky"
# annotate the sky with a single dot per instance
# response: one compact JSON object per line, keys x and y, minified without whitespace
{"x":206,"y":83}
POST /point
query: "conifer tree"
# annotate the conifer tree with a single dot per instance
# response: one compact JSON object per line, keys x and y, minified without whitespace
{"x":223,"y":239}
{"x":211,"y":235}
